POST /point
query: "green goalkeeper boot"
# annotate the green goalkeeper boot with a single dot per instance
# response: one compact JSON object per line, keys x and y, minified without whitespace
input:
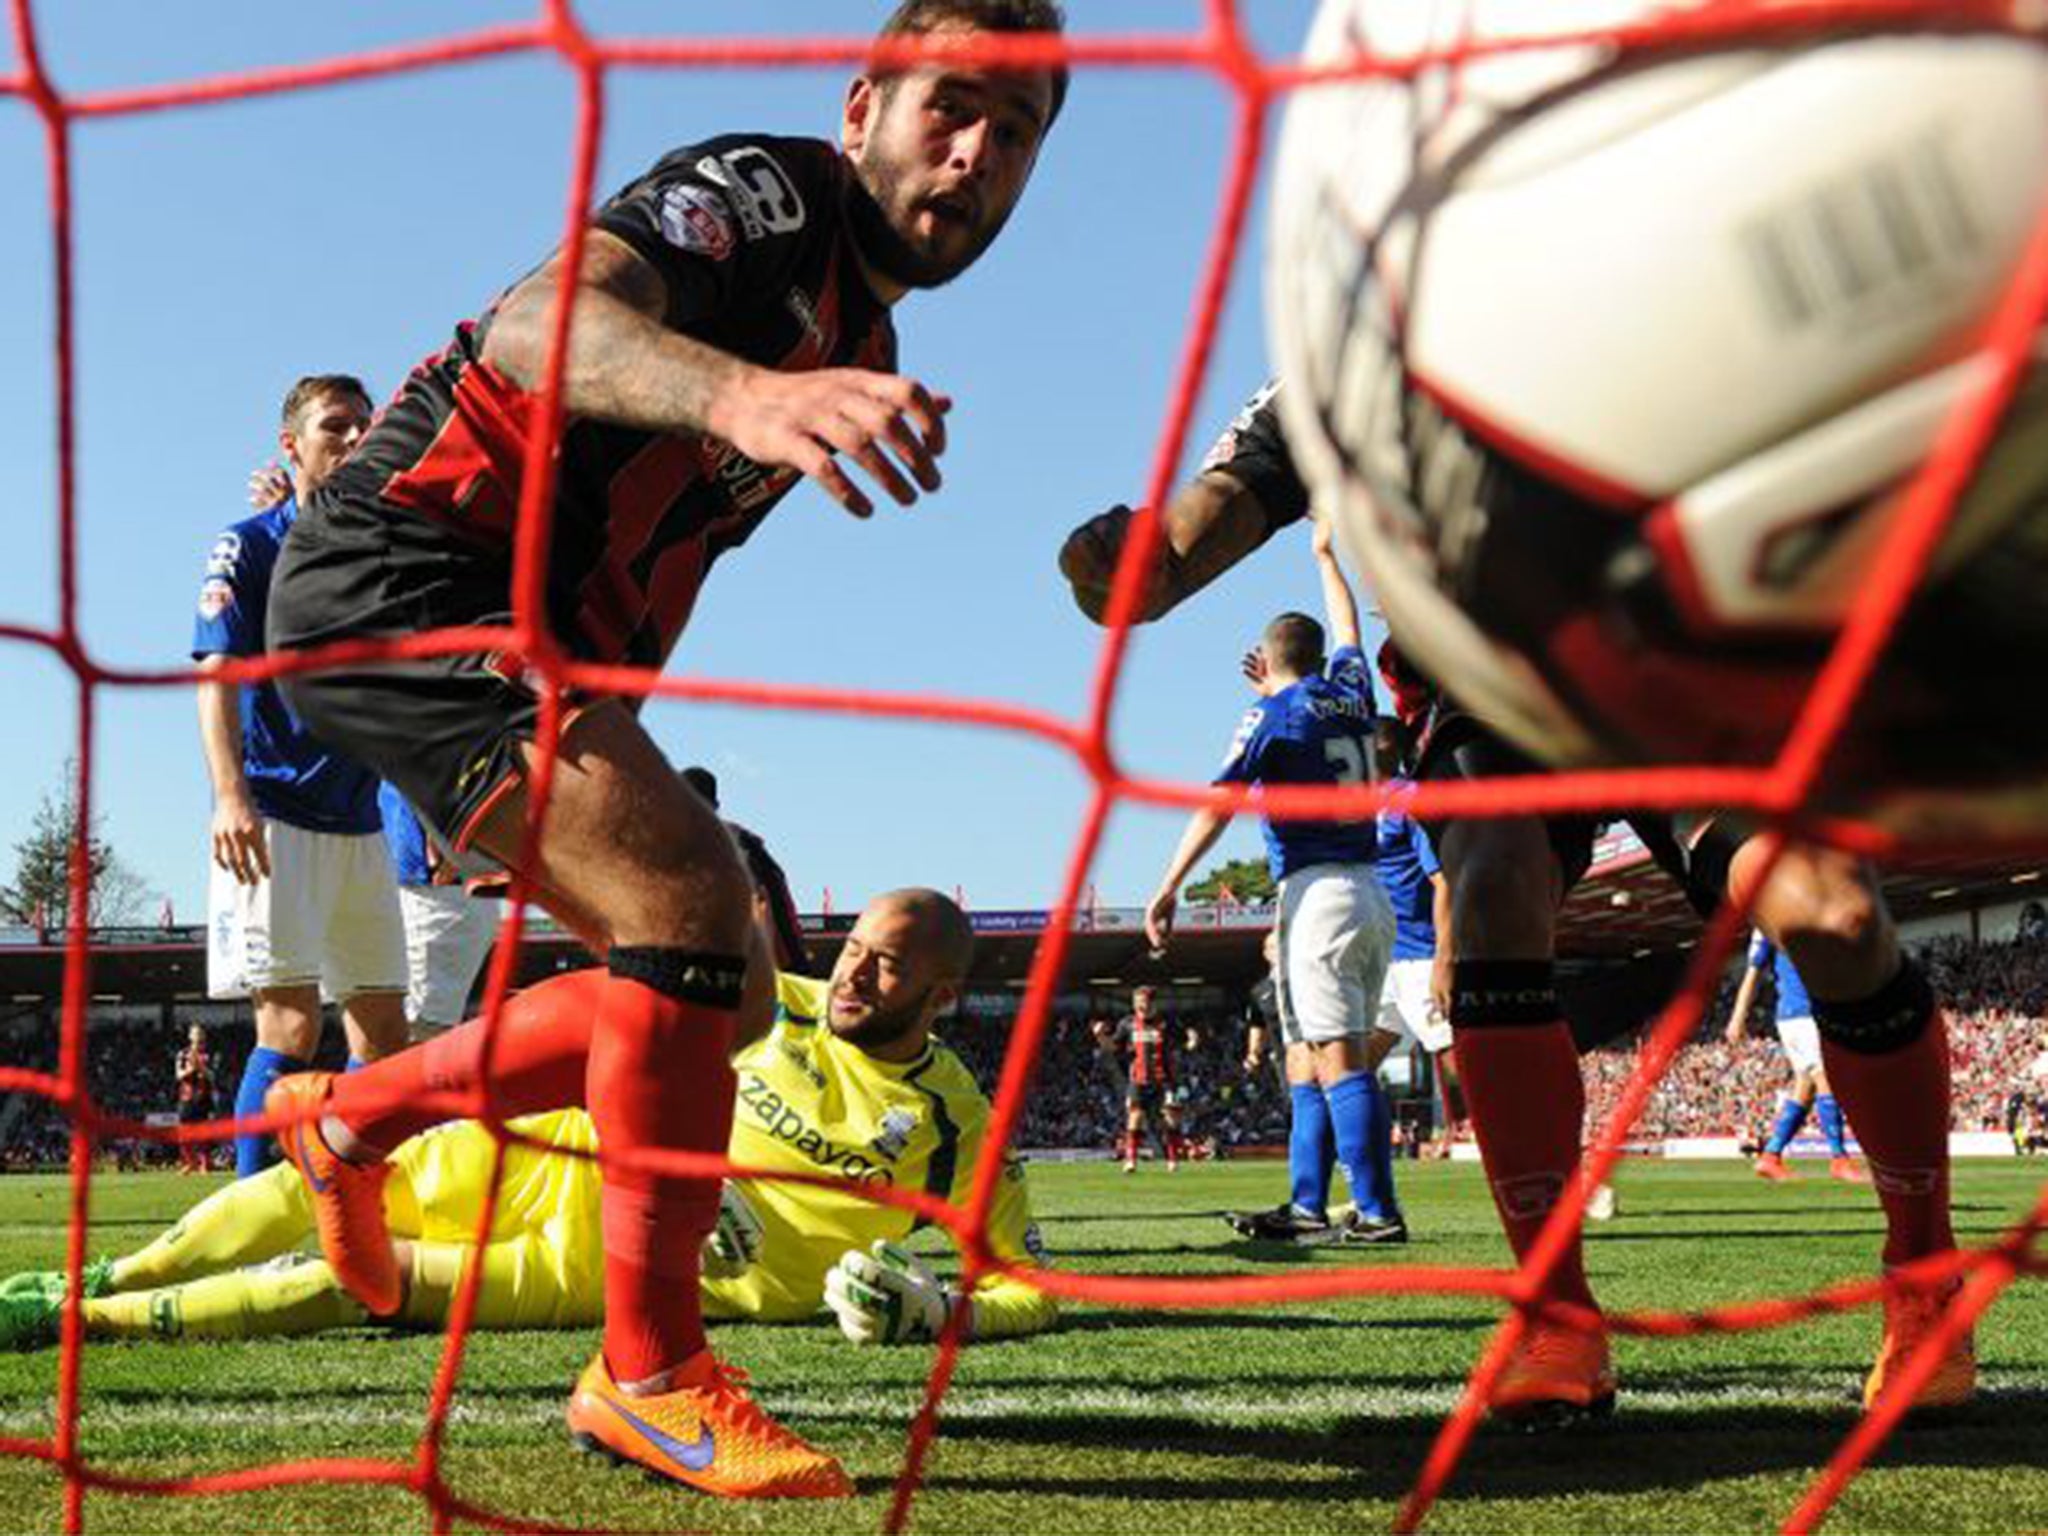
{"x":30,"y":1319}
{"x":50,"y":1284}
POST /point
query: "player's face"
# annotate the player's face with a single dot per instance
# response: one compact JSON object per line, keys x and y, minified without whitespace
{"x":326,"y":434}
{"x":942,"y":155}
{"x":884,"y":993}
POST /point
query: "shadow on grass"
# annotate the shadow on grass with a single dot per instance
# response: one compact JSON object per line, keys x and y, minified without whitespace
{"x":1123,"y":1320}
{"x":1641,"y":1451}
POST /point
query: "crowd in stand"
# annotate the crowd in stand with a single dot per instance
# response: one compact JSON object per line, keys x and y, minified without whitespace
{"x":132,"y":1072}
{"x":1997,"y":1001}
{"x":1077,"y":1095}
{"x":1996,"y":993}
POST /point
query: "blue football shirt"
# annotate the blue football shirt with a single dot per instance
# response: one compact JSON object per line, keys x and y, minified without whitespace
{"x":1316,"y":731}
{"x":405,"y":837}
{"x":1406,"y":864}
{"x":292,"y":778}
{"x":1793,"y":1003}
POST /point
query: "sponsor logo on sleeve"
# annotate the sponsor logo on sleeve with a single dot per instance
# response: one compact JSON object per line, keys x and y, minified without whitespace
{"x":1247,"y":728}
{"x":1225,"y":447}
{"x":695,"y":218}
{"x":215,"y":598}
{"x":226,"y":553}
{"x":759,"y":190}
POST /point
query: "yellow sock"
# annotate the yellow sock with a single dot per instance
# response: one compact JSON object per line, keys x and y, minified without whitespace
{"x":245,"y":1222}
{"x":244,"y":1304}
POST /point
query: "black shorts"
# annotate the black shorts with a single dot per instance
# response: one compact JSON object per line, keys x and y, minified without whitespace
{"x":446,"y":731}
{"x":1149,"y":1098}
{"x":1459,"y":747}
{"x":192,"y":1111}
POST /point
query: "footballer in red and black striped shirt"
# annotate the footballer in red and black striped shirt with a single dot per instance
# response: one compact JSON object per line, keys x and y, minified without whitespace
{"x":1149,"y":1050}
{"x":731,"y":335}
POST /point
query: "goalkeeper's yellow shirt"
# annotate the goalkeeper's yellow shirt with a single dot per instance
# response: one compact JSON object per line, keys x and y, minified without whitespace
{"x":808,"y":1103}
{"x":811,"y":1103}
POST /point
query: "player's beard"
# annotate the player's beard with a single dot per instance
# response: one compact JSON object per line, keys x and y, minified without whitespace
{"x":883,"y":1027}
{"x":885,"y":247}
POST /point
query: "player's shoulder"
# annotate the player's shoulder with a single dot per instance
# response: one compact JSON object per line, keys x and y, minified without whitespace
{"x":800,"y":1001}
{"x":256,"y":537}
{"x":771,"y":184}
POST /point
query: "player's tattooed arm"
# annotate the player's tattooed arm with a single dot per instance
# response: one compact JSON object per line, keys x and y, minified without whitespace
{"x":626,"y":365}
{"x":1212,"y":523}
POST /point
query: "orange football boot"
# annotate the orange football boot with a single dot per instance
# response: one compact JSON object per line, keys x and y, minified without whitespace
{"x":1769,"y":1165}
{"x":1909,"y":1316}
{"x":1845,"y":1169}
{"x":348,"y":1198}
{"x":1557,"y":1375}
{"x":705,"y":1431}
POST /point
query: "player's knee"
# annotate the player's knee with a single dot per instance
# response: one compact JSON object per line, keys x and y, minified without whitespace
{"x":1824,"y":907}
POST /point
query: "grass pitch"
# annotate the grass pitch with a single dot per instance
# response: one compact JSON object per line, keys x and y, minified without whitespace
{"x":1299,"y":1420}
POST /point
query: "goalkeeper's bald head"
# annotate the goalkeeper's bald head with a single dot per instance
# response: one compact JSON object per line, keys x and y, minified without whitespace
{"x":900,"y":968}
{"x":944,"y":933}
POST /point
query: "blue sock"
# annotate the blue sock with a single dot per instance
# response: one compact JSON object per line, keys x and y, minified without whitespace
{"x":1381,"y":1146}
{"x":1791,"y":1116}
{"x":355,"y":1064}
{"x":1309,"y":1149}
{"x":253,"y":1150}
{"x":1352,"y":1120}
{"x":1829,"y":1113}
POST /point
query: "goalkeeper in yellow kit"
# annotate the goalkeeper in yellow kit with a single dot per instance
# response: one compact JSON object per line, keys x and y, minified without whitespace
{"x":848,"y":1082}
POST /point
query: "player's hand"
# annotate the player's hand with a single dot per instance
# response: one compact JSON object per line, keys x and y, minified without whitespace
{"x":806,"y":421}
{"x":1322,"y":540}
{"x":735,"y":1242}
{"x":1734,"y":1033}
{"x":1254,"y":669}
{"x":1159,"y":916}
{"x":239,"y":845}
{"x":886,"y":1295}
{"x":268,"y":485}
{"x":1440,"y":983}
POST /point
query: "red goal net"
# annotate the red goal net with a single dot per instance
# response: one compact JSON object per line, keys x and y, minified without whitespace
{"x":1221,"y":48}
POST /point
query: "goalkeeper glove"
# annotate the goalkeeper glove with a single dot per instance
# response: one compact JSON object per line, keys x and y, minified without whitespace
{"x":887,"y":1296}
{"x":735,"y":1242}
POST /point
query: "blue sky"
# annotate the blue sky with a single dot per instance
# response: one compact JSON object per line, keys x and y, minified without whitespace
{"x":222,"y":251}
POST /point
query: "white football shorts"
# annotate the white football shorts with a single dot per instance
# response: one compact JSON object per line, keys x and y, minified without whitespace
{"x":1406,"y":1008}
{"x":1336,"y":931}
{"x":326,"y":913}
{"x":448,"y":935}
{"x":1800,"y":1039}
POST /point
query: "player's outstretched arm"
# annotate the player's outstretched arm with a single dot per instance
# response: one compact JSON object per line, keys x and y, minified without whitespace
{"x":1211,"y":523}
{"x":1339,"y":606}
{"x":626,"y":366}
{"x":1203,"y":829}
{"x":1738,"y":1016}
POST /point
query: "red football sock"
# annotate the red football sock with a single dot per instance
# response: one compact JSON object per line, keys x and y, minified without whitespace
{"x":1898,"y":1105}
{"x":659,"y":1079}
{"x":537,"y":1063}
{"x":1130,"y":1146}
{"x":1526,"y":1101}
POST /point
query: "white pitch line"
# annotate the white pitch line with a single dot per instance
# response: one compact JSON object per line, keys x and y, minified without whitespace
{"x":1828,"y":1393}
